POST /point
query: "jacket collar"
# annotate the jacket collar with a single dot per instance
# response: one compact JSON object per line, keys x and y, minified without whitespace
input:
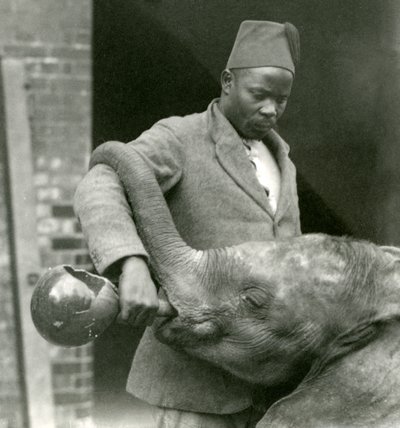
{"x":232,"y":156}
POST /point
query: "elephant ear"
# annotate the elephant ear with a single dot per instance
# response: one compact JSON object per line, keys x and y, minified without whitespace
{"x":360,"y":389}
{"x":351,"y":340}
{"x":393,"y":251}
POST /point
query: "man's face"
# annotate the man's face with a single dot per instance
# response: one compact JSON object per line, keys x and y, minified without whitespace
{"x":255,"y":98}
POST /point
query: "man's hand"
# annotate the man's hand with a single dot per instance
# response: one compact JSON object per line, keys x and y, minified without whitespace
{"x":137,"y":293}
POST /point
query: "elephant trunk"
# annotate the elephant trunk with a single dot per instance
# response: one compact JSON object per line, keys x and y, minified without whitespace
{"x":152,"y":217}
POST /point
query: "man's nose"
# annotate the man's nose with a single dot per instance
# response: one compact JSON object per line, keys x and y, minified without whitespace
{"x":268,"y":109}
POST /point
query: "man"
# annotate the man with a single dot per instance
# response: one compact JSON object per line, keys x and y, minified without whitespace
{"x":227,"y":179}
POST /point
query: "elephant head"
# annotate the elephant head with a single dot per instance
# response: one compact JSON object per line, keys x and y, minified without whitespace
{"x":268,"y":312}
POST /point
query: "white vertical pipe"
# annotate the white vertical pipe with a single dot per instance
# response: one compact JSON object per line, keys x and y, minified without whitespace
{"x":35,"y":351}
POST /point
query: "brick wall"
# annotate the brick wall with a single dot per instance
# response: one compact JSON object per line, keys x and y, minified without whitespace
{"x":53,"y":39}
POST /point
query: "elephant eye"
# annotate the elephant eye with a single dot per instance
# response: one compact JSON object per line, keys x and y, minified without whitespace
{"x":251,"y":300}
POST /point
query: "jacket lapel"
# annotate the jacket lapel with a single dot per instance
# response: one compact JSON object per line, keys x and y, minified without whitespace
{"x":280,"y":150}
{"x":233,"y":158}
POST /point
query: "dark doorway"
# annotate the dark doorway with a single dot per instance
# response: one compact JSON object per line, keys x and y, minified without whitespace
{"x":142,"y":73}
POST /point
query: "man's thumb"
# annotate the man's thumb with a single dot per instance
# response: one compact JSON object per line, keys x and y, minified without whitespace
{"x":165,"y":309}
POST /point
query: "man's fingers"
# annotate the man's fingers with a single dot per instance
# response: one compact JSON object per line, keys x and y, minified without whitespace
{"x":126,"y":312}
{"x":147,"y":318}
{"x":138,"y":294}
{"x":120,"y":320}
{"x":165,"y":309}
{"x":138,"y":316}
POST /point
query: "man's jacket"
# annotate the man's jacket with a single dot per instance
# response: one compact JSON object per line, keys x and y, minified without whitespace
{"x":215,"y":200}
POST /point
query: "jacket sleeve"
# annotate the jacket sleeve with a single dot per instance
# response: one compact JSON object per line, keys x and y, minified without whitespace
{"x":102,"y":208}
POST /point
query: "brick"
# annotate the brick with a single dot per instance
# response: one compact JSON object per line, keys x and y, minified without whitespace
{"x":10,"y":390}
{"x":48,"y":226}
{"x":67,"y":227}
{"x":78,"y":52}
{"x":61,"y":113}
{"x":44,"y":241}
{"x":42,"y":210}
{"x":11,"y":419}
{"x":83,"y":37}
{"x":58,"y":353}
{"x":53,"y":258}
{"x":55,"y":164}
{"x":50,"y":67}
{"x":84,"y":351}
{"x":39,"y":83}
{"x":72,"y":179}
{"x":41,"y":179}
{"x":45,"y":131}
{"x":63,"y":381}
{"x":65,"y":416}
{"x":82,"y":412}
{"x":41,"y":162}
{"x":60,"y":99}
{"x":72,"y":84}
{"x":83,"y":382}
{"x":47,"y":99}
{"x":63,"y":211}
{"x":33,"y":66}
{"x":68,"y":243}
{"x":48,"y":194}
{"x":82,"y":67}
{"x":25,"y":51}
{"x":68,"y":194}
{"x":71,"y":368}
{"x":83,"y":259}
{"x":72,"y":397}
{"x":24,"y":36}
{"x":67,"y":68}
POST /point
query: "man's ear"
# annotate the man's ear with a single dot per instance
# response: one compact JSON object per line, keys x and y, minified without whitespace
{"x":226,"y":81}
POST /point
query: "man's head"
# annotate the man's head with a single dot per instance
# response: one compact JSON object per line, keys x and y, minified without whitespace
{"x":257,"y":81}
{"x":253,"y":99}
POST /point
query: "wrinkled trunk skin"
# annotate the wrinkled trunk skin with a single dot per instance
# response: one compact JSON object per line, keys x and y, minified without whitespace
{"x":183,"y":273}
{"x":318,"y":311}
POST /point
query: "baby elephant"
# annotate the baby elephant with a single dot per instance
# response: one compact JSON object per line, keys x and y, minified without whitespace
{"x":316,"y":310}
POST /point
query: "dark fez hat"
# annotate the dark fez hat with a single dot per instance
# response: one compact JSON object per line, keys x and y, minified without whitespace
{"x":265,"y":43}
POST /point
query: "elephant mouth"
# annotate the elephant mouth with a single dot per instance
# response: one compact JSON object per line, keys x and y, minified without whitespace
{"x":165,"y":332}
{"x":182,"y":332}
{"x":162,"y":322}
